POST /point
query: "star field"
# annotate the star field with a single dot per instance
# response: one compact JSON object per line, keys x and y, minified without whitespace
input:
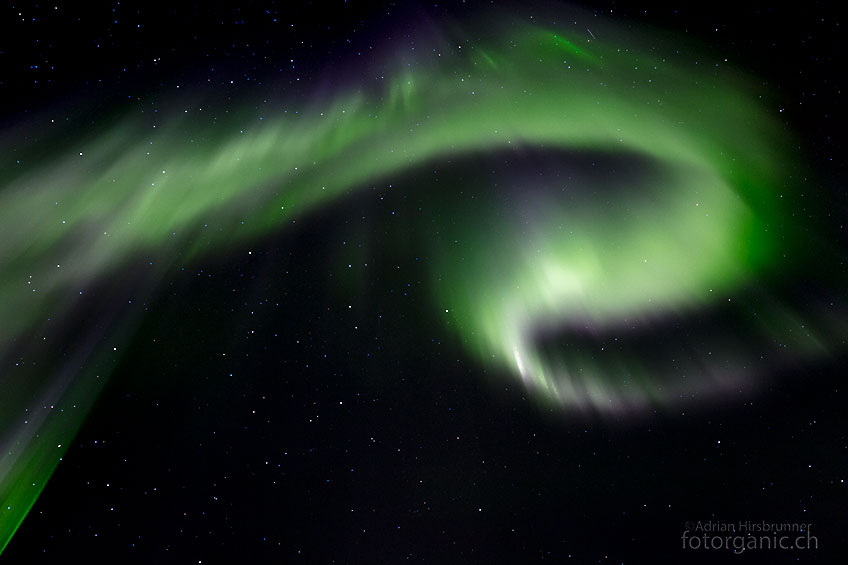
{"x":472,"y":282}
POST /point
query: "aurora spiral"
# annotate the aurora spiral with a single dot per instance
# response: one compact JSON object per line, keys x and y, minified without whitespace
{"x":546,"y":278}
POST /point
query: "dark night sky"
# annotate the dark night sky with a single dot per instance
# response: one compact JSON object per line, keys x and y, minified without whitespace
{"x":249,"y":422}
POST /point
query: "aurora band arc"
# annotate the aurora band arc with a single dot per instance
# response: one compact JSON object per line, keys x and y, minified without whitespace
{"x":97,"y":209}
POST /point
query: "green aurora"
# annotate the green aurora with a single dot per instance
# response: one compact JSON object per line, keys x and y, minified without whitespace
{"x":107,"y":215}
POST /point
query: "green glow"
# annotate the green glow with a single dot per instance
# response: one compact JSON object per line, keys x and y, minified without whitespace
{"x":128,"y":204}
{"x":569,"y":46}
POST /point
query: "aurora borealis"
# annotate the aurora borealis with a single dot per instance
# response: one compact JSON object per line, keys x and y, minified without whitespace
{"x":635,"y":250}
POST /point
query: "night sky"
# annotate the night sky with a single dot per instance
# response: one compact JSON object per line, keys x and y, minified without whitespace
{"x":378,"y":282}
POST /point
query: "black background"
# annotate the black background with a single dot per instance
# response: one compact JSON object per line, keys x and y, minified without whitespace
{"x":250,"y":422}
